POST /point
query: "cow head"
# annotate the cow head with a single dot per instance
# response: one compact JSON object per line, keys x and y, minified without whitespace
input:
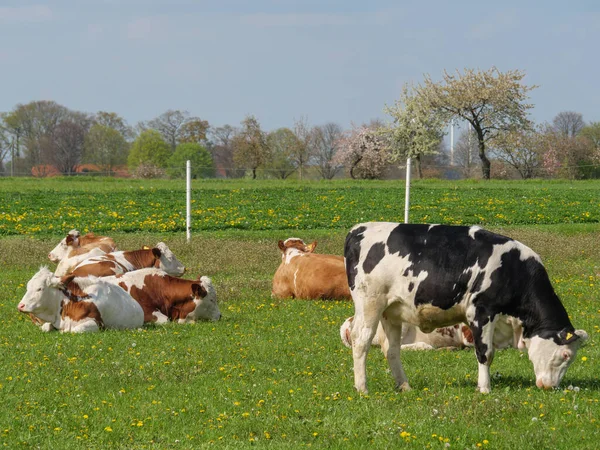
{"x":205,"y":298}
{"x":295,"y":246}
{"x":42,"y":298}
{"x":552,"y":356}
{"x":61,"y":251}
{"x":166,"y":260}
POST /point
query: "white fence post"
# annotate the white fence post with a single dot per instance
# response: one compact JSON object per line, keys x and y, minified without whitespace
{"x":407,"y":195}
{"x":188,"y":199}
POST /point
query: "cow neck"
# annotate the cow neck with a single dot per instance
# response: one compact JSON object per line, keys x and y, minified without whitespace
{"x":545,"y":314}
{"x":140,"y":258}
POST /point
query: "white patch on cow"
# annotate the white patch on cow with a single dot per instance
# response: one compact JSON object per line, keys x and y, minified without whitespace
{"x":295,"y":278}
{"x":472,"y":230}
{"x":432,"y":226}
{"x":160,"y":317}
{"x":79,"y":326}
{"x":66,"y":265}
{"x":291,"y":253}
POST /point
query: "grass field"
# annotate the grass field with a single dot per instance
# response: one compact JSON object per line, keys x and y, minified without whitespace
{"x":274,"y":373}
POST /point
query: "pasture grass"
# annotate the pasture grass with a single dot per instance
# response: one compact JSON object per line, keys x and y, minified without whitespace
{"x":273,"y":373}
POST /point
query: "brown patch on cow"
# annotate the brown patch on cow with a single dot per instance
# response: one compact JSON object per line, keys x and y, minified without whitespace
{"x":172,"y":296}
{"x":79,"y":309}
{"x":348,"y":336}
{"x":467,"y":334}
{"x":446,"y":331}
{"x":107,"y":265}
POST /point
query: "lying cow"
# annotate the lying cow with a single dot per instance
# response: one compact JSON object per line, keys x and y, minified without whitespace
{"x":304,"y":274}
{"x":73,"y":244}
{"x":66,"y":265}
{"x":434,"y":276}
{"x":79,"y":304}
{"x":506,"y":334}
{"x":163,"y":297}
{"x":160,"y":257}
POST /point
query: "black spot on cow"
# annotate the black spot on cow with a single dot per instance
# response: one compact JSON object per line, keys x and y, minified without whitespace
{"x":352,"y":253}
{"x":478,"y":282}
{"x":411,"y":286}
{"x":375,"y":254}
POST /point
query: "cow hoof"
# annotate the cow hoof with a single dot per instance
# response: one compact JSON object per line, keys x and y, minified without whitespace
{"x":404,"y":387}
{"x":484,"y":390}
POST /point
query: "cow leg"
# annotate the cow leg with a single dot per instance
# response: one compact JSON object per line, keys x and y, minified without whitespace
{"x":85,"y":326}
{"x":483,"y":339}
{"x":364,"y":328}
{"x":390,"y":347}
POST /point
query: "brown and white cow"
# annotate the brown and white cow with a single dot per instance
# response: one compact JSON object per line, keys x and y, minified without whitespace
{"x":74,"y":244}
{"x":79,"y":305}
{"x":506,"y":334}
{"x":304,"y":274}
{"x":160,"y":257}
{"x":163,"y":297}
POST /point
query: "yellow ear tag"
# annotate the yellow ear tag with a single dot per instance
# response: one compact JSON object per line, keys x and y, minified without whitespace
{"x":569,"y":336}
{"x":145,"y":247}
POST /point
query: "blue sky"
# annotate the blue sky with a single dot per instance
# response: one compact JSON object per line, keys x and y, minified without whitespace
{"x":327,"y":61}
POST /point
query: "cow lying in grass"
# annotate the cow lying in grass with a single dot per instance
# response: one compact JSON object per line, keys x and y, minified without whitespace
{"x":163,"y":297}
{"x":160,"y":257}
{"x":506,"y":334}
{"x":304,"y":274}
{"x":434,"y":276}
{"x":73,"y":244}
{"x":79,"y":305}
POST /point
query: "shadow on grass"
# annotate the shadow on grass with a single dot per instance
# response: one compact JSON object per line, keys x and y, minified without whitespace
{"x":521,"y":382}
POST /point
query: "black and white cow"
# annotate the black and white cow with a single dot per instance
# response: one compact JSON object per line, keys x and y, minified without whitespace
{"x":436,"y":275}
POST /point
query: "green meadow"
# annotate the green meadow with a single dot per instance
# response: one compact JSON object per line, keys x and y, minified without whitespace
{"x":274,"y":373}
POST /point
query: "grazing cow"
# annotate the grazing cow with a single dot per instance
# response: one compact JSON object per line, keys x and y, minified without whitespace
{"x":304,"y":274}
{"x":160,"y":257}
{"x":74,"y":244}
{"x":163,"y":297}
{"x":506,"y":334}
{"x":434,"y":276}
{"x":79,"y":305}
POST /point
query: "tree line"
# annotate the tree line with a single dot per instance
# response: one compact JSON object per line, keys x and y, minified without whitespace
{"x":490,"y":106}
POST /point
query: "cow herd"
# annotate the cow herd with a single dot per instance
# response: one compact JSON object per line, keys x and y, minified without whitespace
{"x":96,"y":287}
{"x":413,"y":287}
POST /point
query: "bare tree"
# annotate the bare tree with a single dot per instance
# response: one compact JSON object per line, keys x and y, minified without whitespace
{"x":325,"y":141}
{"x":465,"y":153}
{"x":220,"y":145}
{"x":301,"y":153}
{"x":250,"y":146}
{"x":177,"y":127}
{"x":67,"y":146}
{"x":568,"y":123}
{"x":114,"y":121}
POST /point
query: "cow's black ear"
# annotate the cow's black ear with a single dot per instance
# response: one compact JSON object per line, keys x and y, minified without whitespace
{"x":567,"y":336}
{"x":198,"y":290}
{"x":156,"y":252}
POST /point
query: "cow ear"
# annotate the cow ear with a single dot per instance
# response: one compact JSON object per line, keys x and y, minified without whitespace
{"x":281,"y":246}
{"x":72,"y":240}
{"x":582,"y":335}
{"x":311,"y":247}
{"x":156,"y":252}
{"x":567,"y":337}
{"x":198,"y":290}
